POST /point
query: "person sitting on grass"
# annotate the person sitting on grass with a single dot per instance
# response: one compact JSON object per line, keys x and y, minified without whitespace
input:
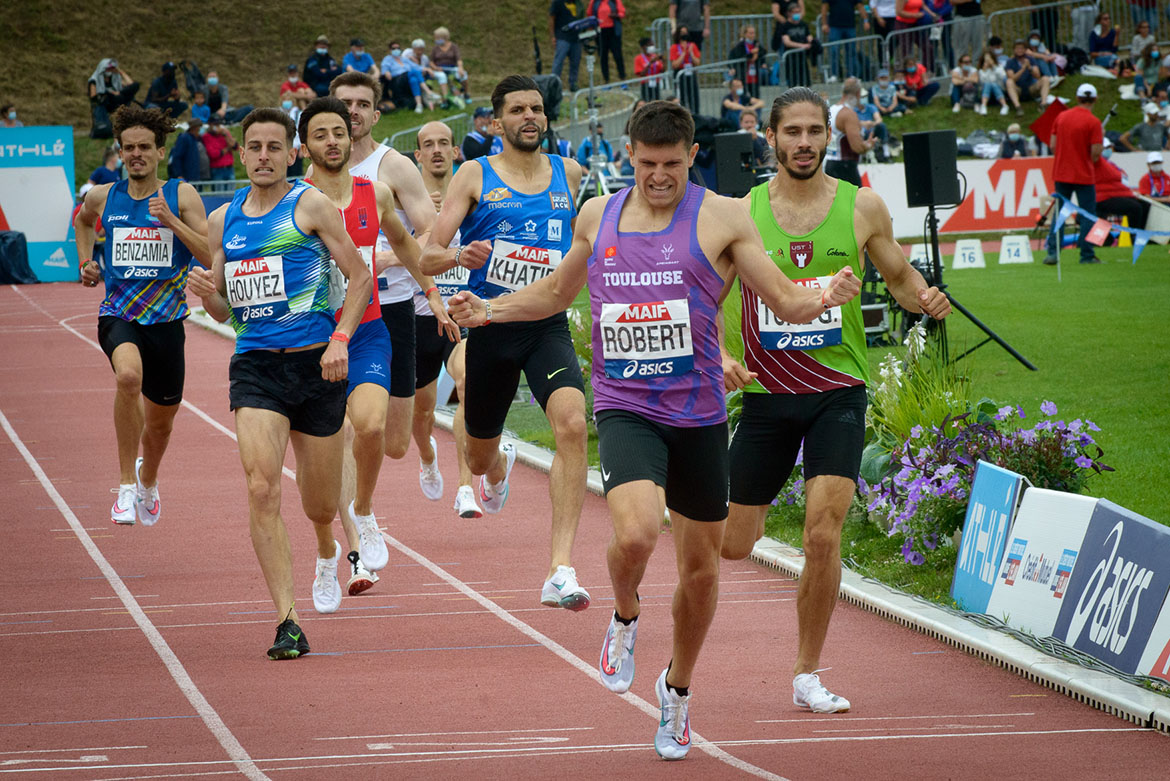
{"x":736,"y":102}
{"x":295,"y":88}
{"x":1103,"y":43}
{"x":917,"y":88}
{"x":964,"y":83}
{"x":1014,"y":144}
{"x":992,"y":79}
{"x":1024,"y":79}
{"x":885,"y":96}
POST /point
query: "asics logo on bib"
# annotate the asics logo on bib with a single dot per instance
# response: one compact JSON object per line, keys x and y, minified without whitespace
{"x":646,"y":278}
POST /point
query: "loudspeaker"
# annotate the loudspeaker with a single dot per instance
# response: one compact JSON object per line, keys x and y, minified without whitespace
{"x":734,"y":174}
{"x":932,"y":175}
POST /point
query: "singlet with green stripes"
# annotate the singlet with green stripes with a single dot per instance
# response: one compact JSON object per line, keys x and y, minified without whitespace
{"x":811,"y":357}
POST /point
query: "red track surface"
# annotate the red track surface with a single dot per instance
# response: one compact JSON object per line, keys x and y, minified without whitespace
{"x":449,"y":667}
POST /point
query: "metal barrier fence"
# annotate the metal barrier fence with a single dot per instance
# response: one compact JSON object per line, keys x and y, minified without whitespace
{"x":1069,"y":22}
{"x":860,"y":57}
{"x":726,"y":32}
{"x":931,"y":45}
{"x":406,"y":140}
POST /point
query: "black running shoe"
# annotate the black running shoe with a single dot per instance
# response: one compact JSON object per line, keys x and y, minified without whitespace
{"x":290,"y":641}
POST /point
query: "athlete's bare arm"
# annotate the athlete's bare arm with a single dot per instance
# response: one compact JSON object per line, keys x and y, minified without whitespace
{"x":546,"y":297}
{"x":850,"y":125}
{"x":315,"y":213}
{"x":573,"y":174}
{"x":875,"y":232}
{"x":90,"y":212}
{"x":209,"y":283}
{"x":727,"y":232}
{"x":408,"y":192}
{"x":462,"y":197}
{"x":190,"y":226}
{"x":407,"y":251}
{"x":735,"y":374}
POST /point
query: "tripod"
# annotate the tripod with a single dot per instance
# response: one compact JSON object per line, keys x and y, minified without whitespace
{"x":596,"y":180}
{"x":936,"y":272}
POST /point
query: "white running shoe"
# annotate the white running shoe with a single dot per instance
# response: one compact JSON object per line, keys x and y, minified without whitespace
{"x":617,"y":655}
{"x":362,"y":579}
{"x":955,"y":109}
{"x":124,"y":511}
{"x":563,"y":590}
{"x":430,"y":479}
{"x":673,"y":739}
{"x":493,"y":497}
{"x":326,"y":589}
{"x":808,"y":692}
{"x":465,"y":506}
{"x":1003,"y":110}
{"x":371,"y":544}
{"x":146,"y":499}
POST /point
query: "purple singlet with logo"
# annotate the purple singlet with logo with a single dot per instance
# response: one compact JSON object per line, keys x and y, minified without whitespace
{"x":654,"y":298}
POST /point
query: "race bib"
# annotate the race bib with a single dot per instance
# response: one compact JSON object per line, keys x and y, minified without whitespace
{"x":255,"y":287}
{"x":776,"y":334}
{"x":646,"y":340}
{"x":338,"y":283}
{"x":142,"y":253}
{"x":453,"y":280}
{"x":515,"y":266}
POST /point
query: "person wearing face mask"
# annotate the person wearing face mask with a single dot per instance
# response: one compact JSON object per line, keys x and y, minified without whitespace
{"x":446,"y":57}
{"x":684,"y":58}
{"x":995,"y":46}
{"x":220,"y":146}
{"x":1045,"y":60}
{"x":735,"y":102}
{"x":1114,"y":196}
{"x":885,"y":96}
{"x":794,"y":34}
{"x":295,"y":89}
{"x":1103,"y":42}
{"x":964,"y":83}
{"x":1147,"y":136}
{"x":8,"y":117}
{"x":846,"y":143}
{"x":358,"y":59}
{"x":321,"y":68}
{"x":647,"y":64}
{"x":751,"y":51}
{"x":1146,"y":70}
{"x":1014,"y":144}
{"x":918,"y":89}
{"x":217,"y":101}
{"x":109,"y":171}
{"x":1155,"y":184}
{"x":992,"y":79}
{"x":402,"y":80}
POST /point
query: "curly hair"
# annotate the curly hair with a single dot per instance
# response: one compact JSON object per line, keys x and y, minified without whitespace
{"x":155,"y":120}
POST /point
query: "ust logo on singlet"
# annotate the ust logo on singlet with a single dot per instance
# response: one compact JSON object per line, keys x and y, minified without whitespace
{"x":801,"y":252}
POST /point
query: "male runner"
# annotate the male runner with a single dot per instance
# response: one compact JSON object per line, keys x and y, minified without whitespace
{"x":656,"y":257}
{"x":324,"y":128}
{"x":270,"y":250}
{"x":435,"y":154}
{"x":808,"y":381}
{"x":514,"y":212}
{"x":140,"y":321}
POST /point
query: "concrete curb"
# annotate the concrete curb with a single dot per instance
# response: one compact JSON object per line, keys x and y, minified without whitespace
{"x":1100,"y":690}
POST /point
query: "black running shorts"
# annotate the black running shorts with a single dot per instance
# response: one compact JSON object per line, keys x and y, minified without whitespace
{"x":290,"y":384}
{"x":497,"y":353}
{"x":399,"y":320}
{"x":432,"y":349}
{"x":689,"y":463}
{"x":161,"y":349}
{"x":768,"y":437}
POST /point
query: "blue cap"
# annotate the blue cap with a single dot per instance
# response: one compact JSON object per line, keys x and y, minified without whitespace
{"x":482,"y":111}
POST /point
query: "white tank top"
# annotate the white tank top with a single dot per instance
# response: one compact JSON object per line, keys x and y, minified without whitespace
{"x":456,"y":277}
{"x":395,"y":283}
{"x":834,"y":150}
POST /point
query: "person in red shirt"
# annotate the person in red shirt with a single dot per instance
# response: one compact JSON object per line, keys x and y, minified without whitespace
{"x":610,"y":14}
{"x":295,"y":89}
{"x":919,"y":88}
{"x":649,"y":63}
{"x":684,"y":58}
{"x":1114,"y":197}
{"x":1156,"y":184}
{"x":1077,"y":141}
{"x":220,"y":145}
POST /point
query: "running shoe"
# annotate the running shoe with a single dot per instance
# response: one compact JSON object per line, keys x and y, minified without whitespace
{"x":146,"y":499}
{"x":371,"y":544}
{"x":493,"y":497}
{"x":673,"y":739}
{"x":290,"y":642}
{"x":465,"y":506}
{"x":430,"y":479}
{"x":124,"y":511}
{"x":808,"y":692}
{"x":617,"y":655}
{"x":326,"y":589}
{"x":362,"y":579}
{"x":563,"y":590}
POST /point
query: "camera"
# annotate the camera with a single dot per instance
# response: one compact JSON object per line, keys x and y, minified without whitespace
{"x":586,"y":30}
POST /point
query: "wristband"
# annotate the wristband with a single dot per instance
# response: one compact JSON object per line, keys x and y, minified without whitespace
{"x":339,"y":336}
{"x":458,"y":254}
{"x":487,"y":311}
{"x":81,"y":265}
{"x":823,"y":292}
{"x":430,"y":290}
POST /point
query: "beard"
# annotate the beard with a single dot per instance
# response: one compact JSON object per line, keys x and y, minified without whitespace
{"x":332,"y":167}
{"x":782,"y":159}
{"x":519,"y":142}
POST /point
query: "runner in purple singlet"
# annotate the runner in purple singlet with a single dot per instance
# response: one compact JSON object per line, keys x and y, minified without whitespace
{"x":656,"y":257}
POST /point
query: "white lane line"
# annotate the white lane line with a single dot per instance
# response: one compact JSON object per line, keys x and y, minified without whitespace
{"x":463,"y":732}
{"x":701,"y":743}
{"x":899,"y":718}
{"x":214,"y":723}
{"x":58,"y":750}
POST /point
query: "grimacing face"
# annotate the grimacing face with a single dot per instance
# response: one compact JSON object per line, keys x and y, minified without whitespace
{"x":362,"y":114}
{"x":661,"y":172}
{"x":266,"y":153}
{"x":140,"y":156}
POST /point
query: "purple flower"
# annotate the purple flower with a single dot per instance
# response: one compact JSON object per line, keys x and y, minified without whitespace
{"x":1004,"y":412}
{"x":1084,"y":462}
{"x":776,"y":502}
{"x":1092,"y":426}
{"x":1048,"y":408}
{"x":1020,"y":412}
{"x":916,"y":432}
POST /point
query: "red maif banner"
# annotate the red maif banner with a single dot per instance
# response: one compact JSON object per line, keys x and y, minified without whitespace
{"x":1002,"y":194}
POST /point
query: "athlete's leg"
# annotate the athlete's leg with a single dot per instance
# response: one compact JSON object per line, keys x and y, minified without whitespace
{"x":568,"y":473}
{"x":745,"y":525}
{"x":456,"y":368}
{"x":158,"y":421}
{"x":828,"y":498}
{"x":319,"y":480}
{"x":697,"y":552}
{"x":399,"y":413}
{"x":348,"y":486}
{"x":423,"y":422}
{"x":263,"y":438}
{"x":367,"y":410}
{"x":129,"y":415}
{"x":636,"y":508}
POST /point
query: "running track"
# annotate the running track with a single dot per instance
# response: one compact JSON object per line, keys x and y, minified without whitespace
{"x":139,"y":652}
